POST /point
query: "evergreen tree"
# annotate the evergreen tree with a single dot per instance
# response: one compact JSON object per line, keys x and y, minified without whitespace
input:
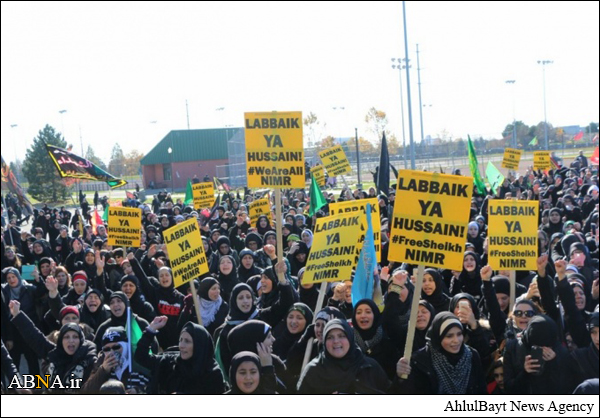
{"x":45,"y":184}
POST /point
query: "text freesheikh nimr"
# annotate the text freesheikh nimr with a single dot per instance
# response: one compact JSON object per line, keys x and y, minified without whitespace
{"x":517,"y":406}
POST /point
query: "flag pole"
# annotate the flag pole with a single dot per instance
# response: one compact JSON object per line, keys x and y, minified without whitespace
{"x":196,"y":302}
{"x":279,"y":230}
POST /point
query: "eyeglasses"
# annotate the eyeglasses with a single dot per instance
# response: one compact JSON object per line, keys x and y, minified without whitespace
{"x":113,"y":348}
{"x":521,"y":314}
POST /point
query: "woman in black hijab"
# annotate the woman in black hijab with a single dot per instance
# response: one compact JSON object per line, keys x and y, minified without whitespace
{"x":247,"y":268}
{"x":250,"y":375}
{"x":213,"y":308}
{"x":291,"y":328}
{"x":585,"y":360}
{"x":476,"y":331}
{"x":309,"y":292}
{"x":545,"y":374}
{"x":371,"y":338}
{"x":434,"y":290}
{"x":276,"y":297}
{"x":227,"y":275}
{"x":192,"y":370}
{"x":446,"y":366}
{"x":341,"y":367}
{"x":469,"y":280}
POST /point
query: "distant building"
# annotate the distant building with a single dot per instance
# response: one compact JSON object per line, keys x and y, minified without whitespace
{"x":195,"y":152}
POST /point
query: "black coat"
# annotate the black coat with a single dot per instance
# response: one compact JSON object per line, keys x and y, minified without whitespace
{"x":584,"y":364}
{"x":424,"y":381}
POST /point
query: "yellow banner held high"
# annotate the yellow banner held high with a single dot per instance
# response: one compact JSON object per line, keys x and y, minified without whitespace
{"x":513,"y":235}
{"x":335,"y":161}
{"x":511,"y":159}
{"x":204,"y":195}
{"x":186,"y":252}
{"x":431,"y":216}
{"x":318,"y":173}
{"x":124,"y":227}
{"x":360,"y":206}
{"x":259,"y":208}
{"x":541,"y":160}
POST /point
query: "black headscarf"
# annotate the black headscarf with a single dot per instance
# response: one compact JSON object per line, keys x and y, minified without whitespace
{"x":268,"y":299}
{"x":368,"y":334}
{"x":454,"y":302}
{"x":439,"y":299}
{"x":63,"y":362}
{"x":541,"y":331}
{"x":236,"y":316}
{"x":471,"y":282}
{"x":238,"y":359}
{"x":263,"y":231}
{"x":338,"y":375}
{"x":284,"y":339}
{"x":228,"y":281}
{"x":203,"y":359}
{"x":421,"y":336}
{"x":244,"y":337}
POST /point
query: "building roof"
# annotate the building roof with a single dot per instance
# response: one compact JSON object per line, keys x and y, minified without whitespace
{"x":192,"y":145}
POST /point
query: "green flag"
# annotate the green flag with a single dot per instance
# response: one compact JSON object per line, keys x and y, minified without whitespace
{"x":105,"y":216}
{"x":189,"y":195}
{"x":317,"y":200}
{"x":494,"y":177}
{"x":534,"y":141}
{"x":474,"y":165}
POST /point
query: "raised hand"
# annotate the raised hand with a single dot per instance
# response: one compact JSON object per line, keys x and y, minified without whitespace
{"x":15,"y":307}
{"x":486,"y":273}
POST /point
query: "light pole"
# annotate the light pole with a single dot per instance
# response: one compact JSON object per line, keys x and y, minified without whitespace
{"x":514,"y":141}
{"x":14,"y":125}
{"x":170,"y":151}
{"x":401,"y":67}
{"x":409,"y":102}
{"x":220,"y":109}
{"x":544,"y":63}
{"x":420,"y":103}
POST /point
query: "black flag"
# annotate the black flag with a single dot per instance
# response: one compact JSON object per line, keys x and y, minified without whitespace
{"x":383,"y":175}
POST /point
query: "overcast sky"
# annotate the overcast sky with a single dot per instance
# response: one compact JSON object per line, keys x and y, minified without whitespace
{"x":123,"y":71}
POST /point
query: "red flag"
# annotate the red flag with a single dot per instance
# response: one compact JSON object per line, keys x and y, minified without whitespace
{"x":95,"y":221}
{"x":594,"y":158}
{"x":130,"y":195}
{"x":578,"y":137}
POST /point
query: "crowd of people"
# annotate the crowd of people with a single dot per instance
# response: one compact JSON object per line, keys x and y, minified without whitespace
{"x":113,"y":318}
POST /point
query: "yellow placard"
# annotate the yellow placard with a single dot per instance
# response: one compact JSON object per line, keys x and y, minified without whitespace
{"x":259,"y":208}
{"x":274,"y":150}
{"x":186,"y":252}
{"x":430,"y":221}
{"x":319,"y":174}
{"x":511,"y":159}
{"x":124,"y":227}
{"x":541,"y":160}
{"x":360,"y":206}
{"x":335,"y":161}
{"x":204,"y":195}
{"x":335,"y":248}
{"x":513,"y":235}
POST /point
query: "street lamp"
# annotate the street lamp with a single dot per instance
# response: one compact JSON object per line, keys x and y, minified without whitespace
{"x":544,"y":63}
{"x":401,"y":67}
{"x":170,"y":151}
{"x":515,"y":143}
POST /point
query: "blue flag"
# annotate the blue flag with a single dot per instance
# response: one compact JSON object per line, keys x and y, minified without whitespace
{"x":362,"y":287}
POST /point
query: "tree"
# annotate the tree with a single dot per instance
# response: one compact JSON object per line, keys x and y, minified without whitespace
{"x":377,"y":120}
{"x":91,"y":155}
{"x":45,"y":184}
{"x":132,"y":163}
{"x":314,"y":129}
{"x":117,"y":161}
{"x":325,"y":143}
{"x":523,"y":132}
{"x":592,"y":127}
{"x":365,"y":147}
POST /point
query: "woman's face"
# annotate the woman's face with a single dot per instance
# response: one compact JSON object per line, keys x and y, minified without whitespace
{"x":245,"y":301}
{"x":247,"y":377}
{"x":93,"y":302}
{"x":224,"y":249}
{"x":226,"y":266}
{"x":247,"y":261}
{"x":423,"y":318}
{"x":503,"y":301}
{"x":38,"y":249}
{"x":263,"y":223}
{"x":80,"y":286}
{"x":428,"y":284}
{"x":269,"y":341}
{"x":266,"y":285}
{"x":301,"y":257}
{"x":580,"y":299}
{"x":319,"y":328}
{"x":9,"y":254}
{"x":165,"y":278}
{"x":70,"y":319}
{"x":337,"y":344}
{"x":555,"y":217}
{"x":214,"y":293}
{"x":453,"y":341}
{"x":90,"y":258}
{"x":306,"y":238}
{"x":296,"y":323}
{"x":469,"y":263}
{"x":13,"y":281}
{"x":473,"y":231}
{"x":364,"y":317}
{"x":127,"y":269}
{"x":186,"y":346}
{"x":594,"y":335}
{"x":129,"y":289}
{"x":522,"y":321}
{"x":71,"y":342}
{"x":62,"y":278}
